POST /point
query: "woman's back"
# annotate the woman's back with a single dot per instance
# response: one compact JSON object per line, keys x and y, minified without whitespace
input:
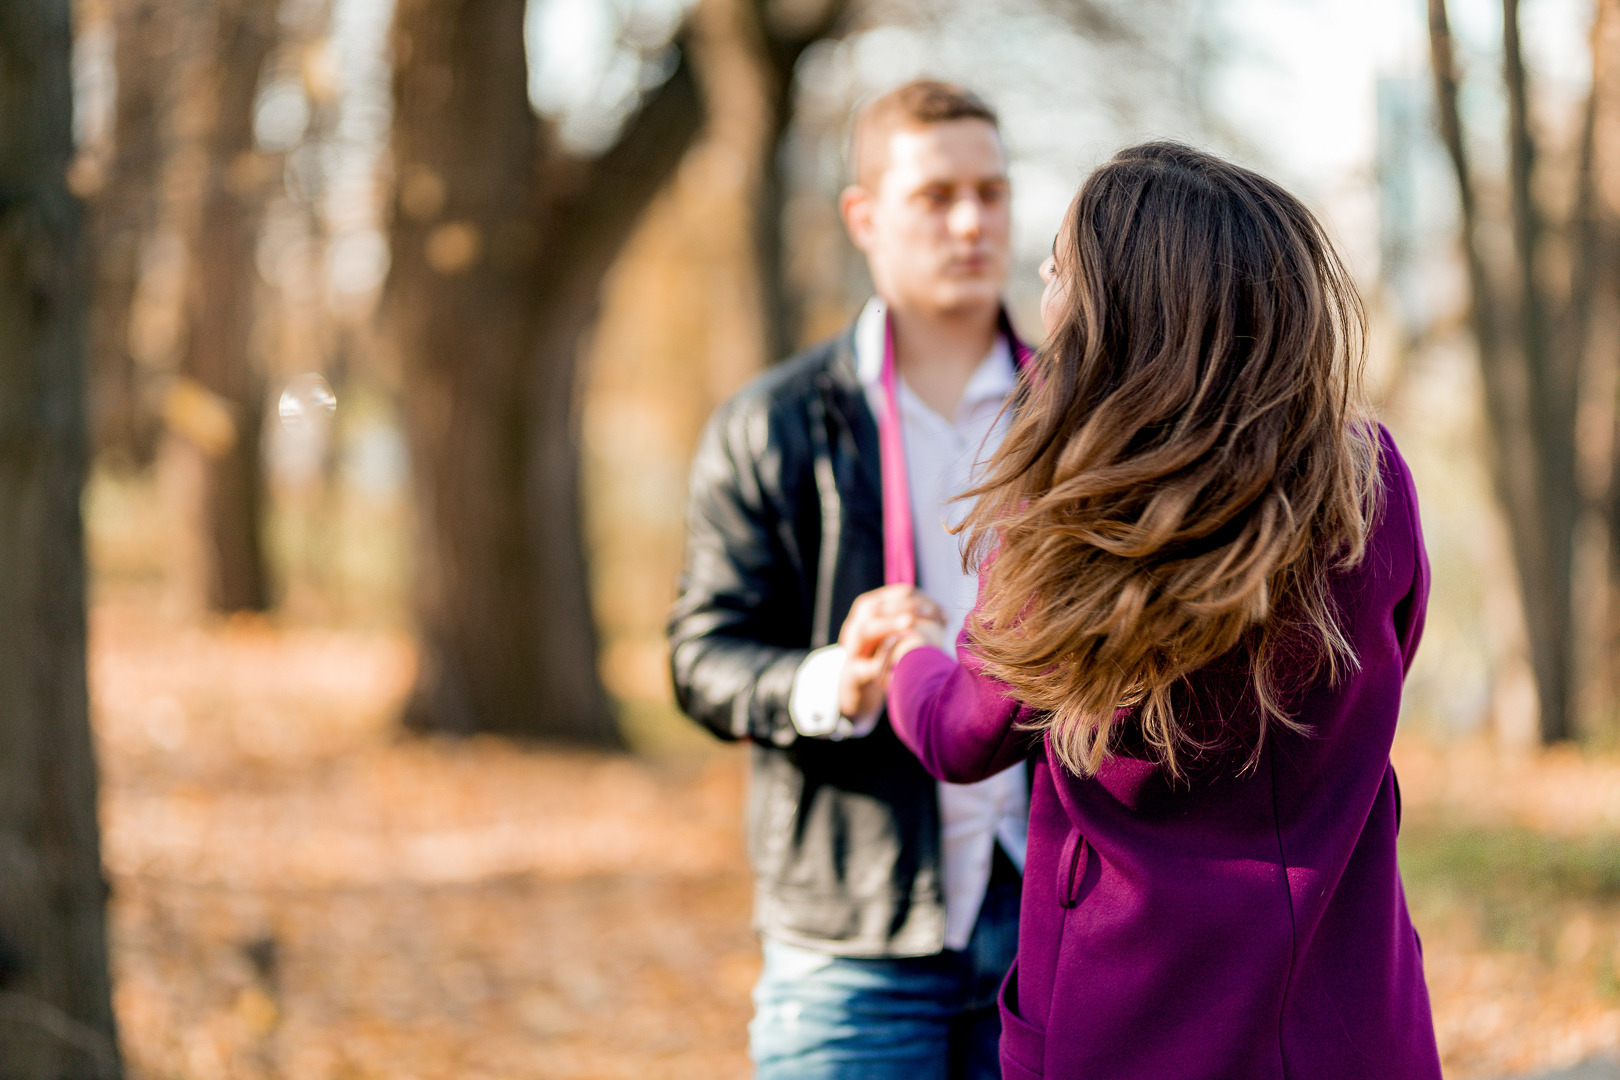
{"x":1207,"y":586}
{"x":1236,"y":922}
{"x":1249,"y":924}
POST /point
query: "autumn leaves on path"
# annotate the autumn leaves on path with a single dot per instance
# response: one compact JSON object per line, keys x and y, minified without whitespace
{"x":299,"y":892}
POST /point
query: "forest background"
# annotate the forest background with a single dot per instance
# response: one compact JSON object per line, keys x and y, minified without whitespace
{"x":351,"y":357}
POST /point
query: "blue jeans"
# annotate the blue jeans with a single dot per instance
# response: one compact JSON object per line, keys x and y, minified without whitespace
{"x":819,"y":1017}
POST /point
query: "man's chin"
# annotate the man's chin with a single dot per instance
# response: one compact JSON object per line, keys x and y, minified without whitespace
{"x":969,"y":299}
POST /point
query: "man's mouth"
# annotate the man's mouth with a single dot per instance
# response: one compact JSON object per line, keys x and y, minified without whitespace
{"x":968,"y":264}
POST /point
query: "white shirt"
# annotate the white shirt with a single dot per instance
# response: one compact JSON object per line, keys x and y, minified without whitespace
{"x":942,"y":455}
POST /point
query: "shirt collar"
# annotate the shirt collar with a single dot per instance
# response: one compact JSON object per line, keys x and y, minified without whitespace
{"x":993,"y":380}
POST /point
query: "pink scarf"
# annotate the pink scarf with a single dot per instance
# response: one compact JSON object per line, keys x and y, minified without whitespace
{"x":899,"y":543}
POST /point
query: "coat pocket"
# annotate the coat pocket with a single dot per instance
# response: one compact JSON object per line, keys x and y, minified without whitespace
{"x":1023,"y":1045}
{"x":1072,"y":869}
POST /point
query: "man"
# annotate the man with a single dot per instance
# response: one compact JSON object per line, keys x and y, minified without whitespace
{"x":887,"y":903}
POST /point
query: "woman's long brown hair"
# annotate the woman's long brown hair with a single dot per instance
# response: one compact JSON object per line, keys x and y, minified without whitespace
{"x":1192,"y":459}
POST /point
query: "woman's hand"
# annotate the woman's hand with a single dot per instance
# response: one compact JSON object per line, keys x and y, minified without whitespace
{"x":927,"y":632}
{"x":882,"y":626}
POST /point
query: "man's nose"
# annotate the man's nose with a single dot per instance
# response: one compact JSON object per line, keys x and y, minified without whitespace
{"x":966,"y":218}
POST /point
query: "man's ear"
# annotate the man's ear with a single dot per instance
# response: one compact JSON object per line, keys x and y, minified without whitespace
{"x":855,"y":204}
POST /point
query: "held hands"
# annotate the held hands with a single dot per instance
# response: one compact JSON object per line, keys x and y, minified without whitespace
{"x":883,"y":625}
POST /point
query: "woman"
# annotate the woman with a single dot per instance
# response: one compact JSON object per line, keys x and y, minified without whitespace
{"x":1202,"y":582}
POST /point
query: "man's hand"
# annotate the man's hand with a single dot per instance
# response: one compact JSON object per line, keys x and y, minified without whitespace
{"x":877,"y":622}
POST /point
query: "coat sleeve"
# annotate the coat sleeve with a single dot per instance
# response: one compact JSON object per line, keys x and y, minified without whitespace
{"x":1413,"y":609}
{"x":734,"y":633}
{"x":963,"y":725}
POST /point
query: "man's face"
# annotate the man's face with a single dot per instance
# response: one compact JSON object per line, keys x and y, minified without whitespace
{"x":935,"y":229}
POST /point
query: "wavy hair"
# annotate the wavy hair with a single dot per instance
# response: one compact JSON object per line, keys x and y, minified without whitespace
{"x":1192,"y":458}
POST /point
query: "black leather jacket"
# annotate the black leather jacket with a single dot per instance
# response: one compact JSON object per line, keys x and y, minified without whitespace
{"x":784,"y":531}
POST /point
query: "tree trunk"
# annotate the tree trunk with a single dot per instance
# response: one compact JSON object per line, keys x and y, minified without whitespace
{"x":123,"y":214}
{"x":220,"y":307}
{"x":1552,"y":364}
{"x":1598,"y":287}
{"x":463,"y":254}
{"x":781,"y":308}
{"x":56,"y":1017}
{"x":498,"y":254}
{"x":1530,"y":384}
{"x":778,"y":41}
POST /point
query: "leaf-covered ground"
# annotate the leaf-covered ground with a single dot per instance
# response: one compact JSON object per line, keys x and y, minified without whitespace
{"x":298,"y":892}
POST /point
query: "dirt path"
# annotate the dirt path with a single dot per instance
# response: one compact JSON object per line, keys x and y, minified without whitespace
{"x":299,"y":893}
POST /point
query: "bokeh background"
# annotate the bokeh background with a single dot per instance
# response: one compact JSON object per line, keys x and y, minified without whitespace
{"x":406,"y":318}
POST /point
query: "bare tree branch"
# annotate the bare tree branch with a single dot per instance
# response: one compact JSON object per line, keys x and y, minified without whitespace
{"x":1586,"y":231}
{"x":606,"y":195}
{"x":1527,"y":230}
{"x":1443,"y":63}
{"x":501,"y":243}
{"x":1529,"y":387}
{"x":1100,"y":21}
{"x":41,"y":1016}
{"x":786,"y":38}
{"x":779,"y":44}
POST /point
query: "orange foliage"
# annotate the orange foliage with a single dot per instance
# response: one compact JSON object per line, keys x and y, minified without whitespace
{"x":298,"y":891}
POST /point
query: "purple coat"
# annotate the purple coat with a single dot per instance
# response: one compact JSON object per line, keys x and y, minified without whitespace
{"x":1239,"y":926}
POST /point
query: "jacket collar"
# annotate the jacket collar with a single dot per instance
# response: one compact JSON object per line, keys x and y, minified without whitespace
{"x":844,"y":352}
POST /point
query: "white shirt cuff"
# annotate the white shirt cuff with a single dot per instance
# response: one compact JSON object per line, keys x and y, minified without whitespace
{"x":813,"y":702}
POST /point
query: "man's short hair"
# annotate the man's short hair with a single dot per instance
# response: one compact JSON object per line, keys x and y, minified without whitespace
{"x":917,"y":104}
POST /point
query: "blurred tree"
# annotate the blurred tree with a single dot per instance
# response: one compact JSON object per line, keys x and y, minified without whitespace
{"x":500,"y":240}
{"x":124,"y":208}
{"x":56,"y":1018}
{"x":777,"y":34}
{"x":217,"y":354}
{"x":1148,"y":65}
{"x":1599,"y":285}
{"x":1531,"y":320}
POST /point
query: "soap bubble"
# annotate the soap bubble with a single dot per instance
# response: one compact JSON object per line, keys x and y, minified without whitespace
{"x":307,"y":401}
